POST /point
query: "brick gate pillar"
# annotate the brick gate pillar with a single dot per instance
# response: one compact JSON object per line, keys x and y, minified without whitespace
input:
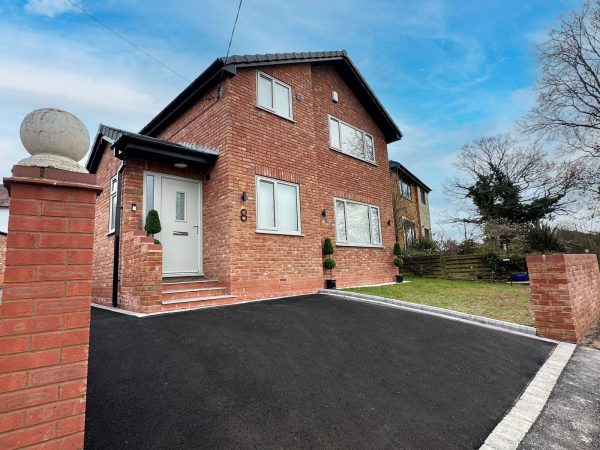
{"x":565,"y":295}
{"x":45,"y":307}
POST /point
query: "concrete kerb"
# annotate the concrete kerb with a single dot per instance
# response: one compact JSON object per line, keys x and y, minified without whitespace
{"x":440,"y":312}
{"x":516,"y":424}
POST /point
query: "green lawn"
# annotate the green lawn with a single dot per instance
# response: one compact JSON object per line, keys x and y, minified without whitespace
{"x":494,"y":300}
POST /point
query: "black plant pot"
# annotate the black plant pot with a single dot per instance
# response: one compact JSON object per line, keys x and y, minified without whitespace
{"x":330,"y":284}
{"x":399,"y":278}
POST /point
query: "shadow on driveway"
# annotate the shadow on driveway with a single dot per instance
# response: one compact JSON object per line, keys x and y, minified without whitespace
{"x":304,"y":372}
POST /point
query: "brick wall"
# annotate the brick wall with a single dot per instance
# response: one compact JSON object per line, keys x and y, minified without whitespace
{"x":565,"y":294}
{"x":45,"y":309}
{"x":141,"y":283}
{"x":2,"y":257}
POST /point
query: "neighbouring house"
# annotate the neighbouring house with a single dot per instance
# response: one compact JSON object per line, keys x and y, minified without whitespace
{"x":4,"y":204}
{"x":251,"y":167}
{"x":410,"y":197}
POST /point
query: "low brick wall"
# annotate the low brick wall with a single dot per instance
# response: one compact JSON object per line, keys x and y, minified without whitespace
{"x":141,"y":281}
{"x":2,"y":256}
{"x":565,"y":294}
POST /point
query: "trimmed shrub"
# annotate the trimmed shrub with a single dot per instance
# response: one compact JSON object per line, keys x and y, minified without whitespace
{"x":397,"y":249}
{"x":152,"y":222}
{"x":398,"y":262}
{"x":329,"y":264}
{"x":328,"y":247}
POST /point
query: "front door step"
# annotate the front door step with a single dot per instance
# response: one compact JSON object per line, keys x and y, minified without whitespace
{"x":197,"y":300}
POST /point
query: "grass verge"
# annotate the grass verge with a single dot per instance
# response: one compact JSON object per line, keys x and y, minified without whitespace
{"x":494,"y":300}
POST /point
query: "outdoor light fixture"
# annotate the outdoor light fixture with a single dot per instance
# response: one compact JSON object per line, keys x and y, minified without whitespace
{"x":334,"y":97}
{"x":180,"y":165}
{"x":133,"y":207}
{"x":324,"y":213}
{"x":389,"y":222}
{"x":244,"y":196}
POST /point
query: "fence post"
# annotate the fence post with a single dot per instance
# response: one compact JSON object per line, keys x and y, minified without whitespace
{"x":45,"y":306}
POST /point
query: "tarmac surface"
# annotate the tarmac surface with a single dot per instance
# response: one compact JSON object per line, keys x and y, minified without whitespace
{"x":313,"y":371}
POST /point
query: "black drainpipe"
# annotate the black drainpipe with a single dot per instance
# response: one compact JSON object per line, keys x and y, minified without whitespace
{"x":115,"y":280}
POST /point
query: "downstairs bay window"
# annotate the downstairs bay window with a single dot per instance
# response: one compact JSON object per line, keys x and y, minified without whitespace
{"x":277,"y":207}
{"x":357,"y":224}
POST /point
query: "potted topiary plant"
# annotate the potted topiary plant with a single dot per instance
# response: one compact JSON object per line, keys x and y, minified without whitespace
{"x":398,"y":262}
{"x":153,"y":224}
{"x":329,"y":263}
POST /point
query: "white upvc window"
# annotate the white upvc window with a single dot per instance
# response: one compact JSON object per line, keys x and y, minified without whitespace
{"x":277,"y":207}
{"x":406,"y":189}
{"x":350,"y":140}
{"x":112,"y":205}
{"x":357,"y":224}
{"x":273,"y":95}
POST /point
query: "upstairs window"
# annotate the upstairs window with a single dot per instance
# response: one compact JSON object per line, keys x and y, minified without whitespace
{"x":273,"y":95}
{"x":350,"y":140}
{"x":406,"y":189}
{"x":357,"y":224}
{"x":423,"y":197}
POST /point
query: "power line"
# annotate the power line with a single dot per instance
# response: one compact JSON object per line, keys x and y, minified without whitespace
{"x":218,"y":95}
{"x":115,"y":32}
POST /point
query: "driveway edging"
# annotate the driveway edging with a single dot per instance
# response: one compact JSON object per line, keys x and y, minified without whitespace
{"x":446,"y":313}
{"x":511,"y":430}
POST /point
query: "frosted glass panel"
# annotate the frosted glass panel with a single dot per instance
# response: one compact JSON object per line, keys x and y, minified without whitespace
{"x":357,"y":223}
{"x":180,"y":206}
{"x":282,"y":100}
{"x":352,"y":141}
{"x":265,"y":92}
{"x":340,"y":222}
{"x":287,"y":208}
{"x":375,"y":231}
{"x":266,"y":204}
{"x":149,"y":193}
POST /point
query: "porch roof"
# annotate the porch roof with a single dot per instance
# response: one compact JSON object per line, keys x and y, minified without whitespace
{"x":127,"y":144}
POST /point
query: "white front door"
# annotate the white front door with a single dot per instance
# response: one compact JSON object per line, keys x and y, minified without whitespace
{"x":179,"y":202}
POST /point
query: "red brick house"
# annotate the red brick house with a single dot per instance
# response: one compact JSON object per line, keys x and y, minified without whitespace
{"x":251,"y":167}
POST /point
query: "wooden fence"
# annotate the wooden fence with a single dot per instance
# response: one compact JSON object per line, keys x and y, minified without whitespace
{"x":460,"y":267}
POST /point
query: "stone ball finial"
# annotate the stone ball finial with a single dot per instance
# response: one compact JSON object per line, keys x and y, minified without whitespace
{"x":55,"y":138}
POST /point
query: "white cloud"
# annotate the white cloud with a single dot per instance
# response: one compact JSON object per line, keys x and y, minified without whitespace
{"x":50,"y":8}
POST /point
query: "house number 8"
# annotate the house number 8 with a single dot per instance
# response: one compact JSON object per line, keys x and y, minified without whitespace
{"x":243,"y":215}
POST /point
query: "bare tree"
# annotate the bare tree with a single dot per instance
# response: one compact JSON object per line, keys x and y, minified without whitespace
{"x":504,"y":176}
{"x":568,"y":102}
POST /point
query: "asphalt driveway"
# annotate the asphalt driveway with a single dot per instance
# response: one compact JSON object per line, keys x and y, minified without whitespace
{"x":304,"y":372}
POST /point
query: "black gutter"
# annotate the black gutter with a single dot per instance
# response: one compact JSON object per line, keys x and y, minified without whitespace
{"x":117,"y":234}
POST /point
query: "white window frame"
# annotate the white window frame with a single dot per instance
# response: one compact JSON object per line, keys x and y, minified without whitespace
{"x":347,"y":243}
{"x":339,"y":149}
{"x":112,"y":194}
{"x":275,"y":230}
{"x":279,"y":82}
{"x":406,"y":183}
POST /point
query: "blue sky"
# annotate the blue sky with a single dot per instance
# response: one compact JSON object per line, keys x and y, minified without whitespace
{"x":448,"y":71}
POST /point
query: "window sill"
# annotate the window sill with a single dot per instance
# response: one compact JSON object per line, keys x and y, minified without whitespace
{"x":280,"y":233}
{"x":352,"y":156}
{"x":289,"y":119}
{"x":110,"y":233}
{"x":341,"y":244}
